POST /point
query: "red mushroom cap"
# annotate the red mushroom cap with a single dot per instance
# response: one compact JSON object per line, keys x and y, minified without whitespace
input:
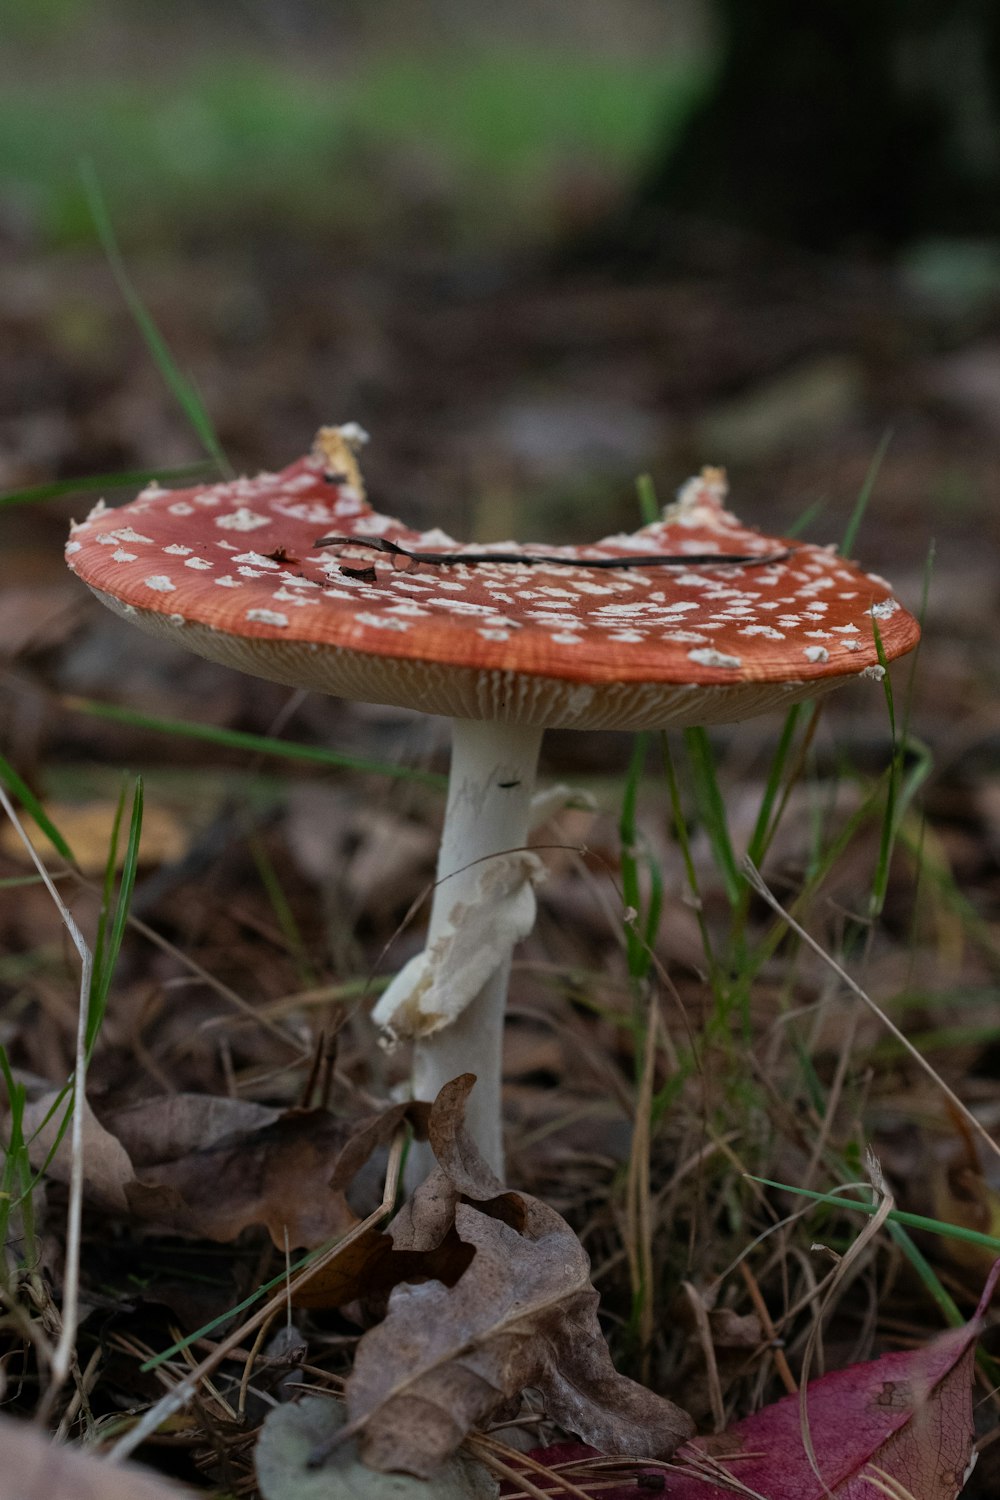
{"x":571,"y":636}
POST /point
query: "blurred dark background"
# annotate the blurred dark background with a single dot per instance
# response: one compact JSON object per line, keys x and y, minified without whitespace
{"x":535,"y":250}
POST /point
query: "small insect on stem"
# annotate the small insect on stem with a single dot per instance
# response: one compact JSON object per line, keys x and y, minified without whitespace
{"x":547,"y":560}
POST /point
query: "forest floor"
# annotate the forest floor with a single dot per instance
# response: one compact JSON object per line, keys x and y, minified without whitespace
{"x":519,"y":392}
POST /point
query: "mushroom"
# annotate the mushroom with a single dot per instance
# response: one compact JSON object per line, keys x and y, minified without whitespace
{"x":694,"y":619}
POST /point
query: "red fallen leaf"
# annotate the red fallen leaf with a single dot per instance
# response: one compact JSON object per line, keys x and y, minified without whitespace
{"x":907,"y":1415}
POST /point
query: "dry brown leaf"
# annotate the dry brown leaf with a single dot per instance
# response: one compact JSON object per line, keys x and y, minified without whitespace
{"x":278,"y":1176}
{"x":522,"y":1313}
{"x":289,"y":1173}
{"x":35,"y":1468}
{"x":108,"y":1170}
{"x":169,"y":1126}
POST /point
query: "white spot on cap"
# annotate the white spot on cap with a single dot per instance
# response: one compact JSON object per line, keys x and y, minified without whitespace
{"x":382,"y":622}
{"x":199,"y":563}
{"x":122,"y":534}
{"x":72,"y":547}
{"x":884,"y":609}
{"x":181,"y":508}
{"x":408,"y":607}
{"x":256,"y":560}
{"x":120,"y":555}
{"x":875,"y":673}
{"x":288,"y":596}
{"x":267,"y":617}
{"x":494,"y":635}
{"x":227,"y":582}
{"x":817,"y":653}
{"x":709,"y":657}
{"x":768,"y":630}
{"x":177,"y":619}
{"x":161,"y":583}
{"x":242,"y":519}
{"x":176,"y":549}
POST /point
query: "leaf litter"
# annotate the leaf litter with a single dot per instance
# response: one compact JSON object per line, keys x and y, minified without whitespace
{"x":523,"y":1314}
{"x":931,"y":961}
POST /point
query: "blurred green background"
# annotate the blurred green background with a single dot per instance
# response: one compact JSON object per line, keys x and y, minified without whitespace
{"x":334,"y":115}
{"x":536,"y":248}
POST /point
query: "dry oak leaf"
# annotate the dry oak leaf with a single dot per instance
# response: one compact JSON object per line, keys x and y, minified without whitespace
{"x":523,"y":1313}
{"x":290,"y":1176}
{"x":107,"y":1168}
{"x":167,"y":1126}
{"x":252,"y":1165}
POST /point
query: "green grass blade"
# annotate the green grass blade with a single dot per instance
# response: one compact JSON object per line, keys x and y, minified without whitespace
{"x":649,"y":506}
{"x":104,"y":916}
{"x":804,"y":521}
{"x":864,"y":495}
{"x":949,"y":1307}
{"x":684,"y":843}
{"x":111,"y":942}
{"x":654,"y":910}
{"x":764,"y":829}
{"x":15,"y":1174}
{"x":256,"y":744}
{"x":712,"y":809}
{"x":283,"y":914}
{"x":86,"y":483}
{"x":180,"y":386}
{"x":818,"y":871}
{"x":887,"y":835}
{"x":628,"y":833}
{"x":896,"y":1215}
{"x":901,"y":787}
{"x":207,"y":1329}
{"x":19,"y":788}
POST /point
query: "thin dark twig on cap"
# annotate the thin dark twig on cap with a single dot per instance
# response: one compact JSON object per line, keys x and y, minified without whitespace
{"x":538,"y":560}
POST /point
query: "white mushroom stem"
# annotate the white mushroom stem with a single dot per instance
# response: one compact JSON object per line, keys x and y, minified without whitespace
{"x":489,"y":808}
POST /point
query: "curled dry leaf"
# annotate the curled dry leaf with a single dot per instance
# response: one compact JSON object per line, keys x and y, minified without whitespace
{"x":277,"y":1176}
{"x":288,"y":1172}
{"x":168,"y":1126}
{"x":291,"y":1433}
{"x":522,"y":1313}
{"x":106,"y":1162}
{"x":35,"y":1468}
